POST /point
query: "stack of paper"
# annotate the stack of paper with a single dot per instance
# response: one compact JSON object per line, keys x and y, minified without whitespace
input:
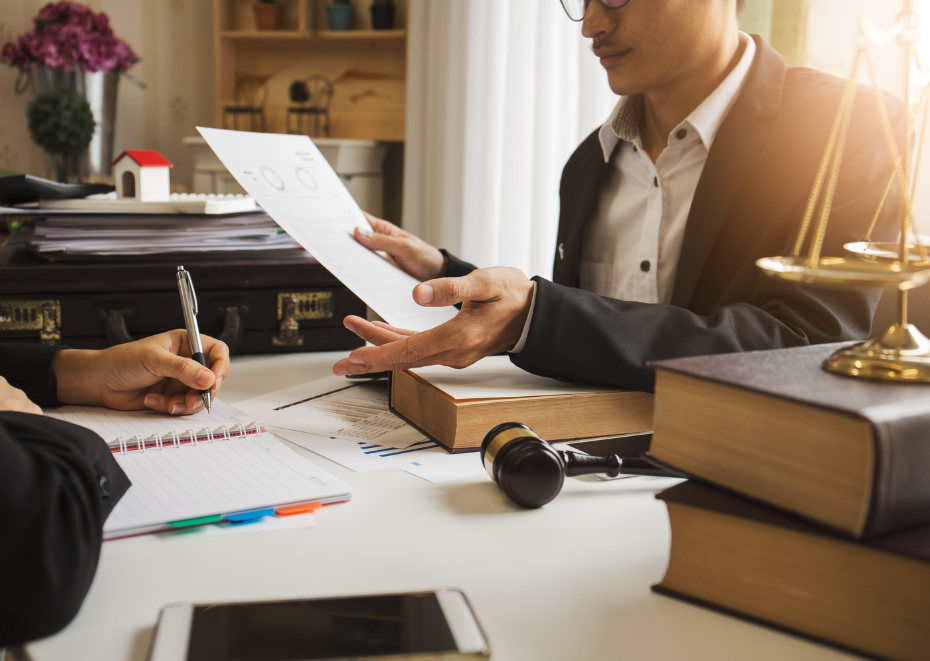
{"x":351,"y":424}
{"x":112,"y":234}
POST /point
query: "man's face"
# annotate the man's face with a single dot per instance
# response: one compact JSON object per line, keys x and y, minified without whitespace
{"x":651,"y":43}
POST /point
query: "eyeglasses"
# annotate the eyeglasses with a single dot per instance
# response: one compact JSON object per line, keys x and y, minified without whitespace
{"x":577,"y":8}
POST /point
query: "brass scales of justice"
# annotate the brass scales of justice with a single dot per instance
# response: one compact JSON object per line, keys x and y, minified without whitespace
{"x":901,"y":352}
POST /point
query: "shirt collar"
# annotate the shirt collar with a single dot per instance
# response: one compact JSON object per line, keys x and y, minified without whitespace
{"x":623,"y":123}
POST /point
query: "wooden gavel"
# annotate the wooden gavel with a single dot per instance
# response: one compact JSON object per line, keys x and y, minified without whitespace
{"x":531,"y":472}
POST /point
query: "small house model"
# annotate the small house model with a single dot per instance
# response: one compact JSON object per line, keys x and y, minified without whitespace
{"x":142,"y":174}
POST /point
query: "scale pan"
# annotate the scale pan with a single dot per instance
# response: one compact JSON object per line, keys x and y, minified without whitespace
{"x":845,"y":273}
{"x":887,"y":252}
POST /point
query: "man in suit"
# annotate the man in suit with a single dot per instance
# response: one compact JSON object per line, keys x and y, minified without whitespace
{"x":705,"y":166}
{"x":58,"y":481}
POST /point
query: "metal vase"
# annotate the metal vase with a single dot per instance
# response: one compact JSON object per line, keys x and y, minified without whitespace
{"x":99,"y":90}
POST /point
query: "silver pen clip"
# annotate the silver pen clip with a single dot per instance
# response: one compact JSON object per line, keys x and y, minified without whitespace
{"x":189,"y":284}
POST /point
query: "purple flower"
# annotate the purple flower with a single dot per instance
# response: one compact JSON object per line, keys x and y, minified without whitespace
{"x":68,"y":35}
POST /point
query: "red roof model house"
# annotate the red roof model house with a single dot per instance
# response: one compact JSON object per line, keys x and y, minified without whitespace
{"x":142,"y":174}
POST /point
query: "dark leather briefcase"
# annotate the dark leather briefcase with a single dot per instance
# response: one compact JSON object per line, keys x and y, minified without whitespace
{"x":256,"y":304}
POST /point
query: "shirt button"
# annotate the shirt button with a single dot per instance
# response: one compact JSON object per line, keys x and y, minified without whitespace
{"x":682,"y":134}
{"x":644,"y":266}
{"x":655,"y":182}
{"x":635,"y":149}
{"x":104,"y":483}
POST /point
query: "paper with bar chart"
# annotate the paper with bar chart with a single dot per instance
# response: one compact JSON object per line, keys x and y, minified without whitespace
{"x":291,"y":180}
{"x":335,"y":407}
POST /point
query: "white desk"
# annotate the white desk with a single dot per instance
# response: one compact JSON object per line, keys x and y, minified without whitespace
{"x":568,"y":581}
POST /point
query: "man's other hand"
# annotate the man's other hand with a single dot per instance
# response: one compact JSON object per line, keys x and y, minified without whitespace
{"x":14,"y":399}
{"x":409,"y":253}
{"x":156,"y":373}
{"x":495,"y":304}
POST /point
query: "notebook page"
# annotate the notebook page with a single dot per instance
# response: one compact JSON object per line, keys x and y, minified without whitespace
{"x":186,"y":482}
{"x":111,"y":425}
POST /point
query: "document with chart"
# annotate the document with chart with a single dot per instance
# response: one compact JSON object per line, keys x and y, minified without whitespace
{"x":335,"y":407}
{"x":291,"y":180}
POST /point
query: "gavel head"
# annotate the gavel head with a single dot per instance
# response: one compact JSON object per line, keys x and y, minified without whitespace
{"x":523,"y":465}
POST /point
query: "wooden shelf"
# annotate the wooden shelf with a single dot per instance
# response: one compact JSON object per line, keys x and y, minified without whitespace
{"x":368,"y":68}
{"x":361,"y":34}
{"x":290,"y":35}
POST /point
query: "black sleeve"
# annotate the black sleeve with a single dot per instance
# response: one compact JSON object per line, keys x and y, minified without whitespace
{"x":29,"y":368}
{"x":455,"y":267}
{"x":58,"y":484}
{"x":580,"y":336}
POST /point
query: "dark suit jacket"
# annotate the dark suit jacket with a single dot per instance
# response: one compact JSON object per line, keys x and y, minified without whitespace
{"x":748,"y":204}
{"x":58,"y":484}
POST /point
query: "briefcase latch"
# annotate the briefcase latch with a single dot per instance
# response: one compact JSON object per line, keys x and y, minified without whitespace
{"x":43,"y":316}
{"x":295,"y":307}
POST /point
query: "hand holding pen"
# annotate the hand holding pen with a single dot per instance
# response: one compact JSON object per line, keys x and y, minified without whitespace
{"x":189,"y":307}
{"x":154,"y":373}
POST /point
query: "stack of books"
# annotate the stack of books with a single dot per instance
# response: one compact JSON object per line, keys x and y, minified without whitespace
{"x":809,"y":506}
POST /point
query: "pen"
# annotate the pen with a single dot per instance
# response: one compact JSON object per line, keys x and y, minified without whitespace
{"x":189,"y":307}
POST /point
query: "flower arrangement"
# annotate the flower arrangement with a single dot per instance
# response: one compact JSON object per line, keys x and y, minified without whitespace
{"x":70,"y":36}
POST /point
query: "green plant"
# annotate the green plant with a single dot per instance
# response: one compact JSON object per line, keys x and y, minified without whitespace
{"x":61,"y":122}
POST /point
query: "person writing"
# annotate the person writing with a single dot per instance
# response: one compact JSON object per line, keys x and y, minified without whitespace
{"x":705,"y":165}
{"x":58,"y":481}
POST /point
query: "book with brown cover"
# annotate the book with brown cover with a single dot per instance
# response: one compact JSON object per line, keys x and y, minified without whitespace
{"x":461,"y":424}
{"x":775,"y":426}
{"x":752,"y":561}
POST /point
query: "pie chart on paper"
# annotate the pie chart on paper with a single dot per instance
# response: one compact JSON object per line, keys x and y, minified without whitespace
{"x":306,"y":179}
{"x":272,"y":178}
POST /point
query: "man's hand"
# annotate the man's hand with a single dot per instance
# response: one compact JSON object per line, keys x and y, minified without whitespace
{"x":495,"y":304}
{"x":14,"y":399}
{"x":156,"y":372}
{"x":409,"y":253}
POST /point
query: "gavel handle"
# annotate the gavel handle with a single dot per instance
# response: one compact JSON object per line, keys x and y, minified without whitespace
{"x":612,"y":465}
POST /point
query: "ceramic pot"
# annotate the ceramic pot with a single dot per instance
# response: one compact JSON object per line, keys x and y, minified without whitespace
{"x":339,"y":16}
{"x":382,"y":17}
{"x":266,"y":15}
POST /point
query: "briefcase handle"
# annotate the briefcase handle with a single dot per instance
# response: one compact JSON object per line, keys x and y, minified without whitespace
{"x":114,"y":325}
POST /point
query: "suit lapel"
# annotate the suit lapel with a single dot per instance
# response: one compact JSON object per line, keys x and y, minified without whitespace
{"x":736,"y":147}
{"x":582,"y":209}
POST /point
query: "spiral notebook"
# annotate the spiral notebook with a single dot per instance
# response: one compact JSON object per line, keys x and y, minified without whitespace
{"x":200,"y":468}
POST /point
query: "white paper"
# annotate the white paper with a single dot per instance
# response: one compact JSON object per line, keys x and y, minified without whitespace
{"x":335,"y":407}
{"x":496,"y":377}
{"x":289,"y":177}
{"x":438,"y":469}
{"x":359,"y":456}
{"x":187,"y":482}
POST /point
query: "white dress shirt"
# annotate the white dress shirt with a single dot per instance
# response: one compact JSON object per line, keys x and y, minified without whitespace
{"x":631,"y":248}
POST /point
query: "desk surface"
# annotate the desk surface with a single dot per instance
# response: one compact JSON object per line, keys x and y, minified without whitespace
{"x":568,"y":581}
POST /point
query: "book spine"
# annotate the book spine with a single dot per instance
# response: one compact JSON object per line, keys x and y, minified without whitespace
{"x":188,"y":437}
{"x":900,"y":488}
{"x":666,"y":592}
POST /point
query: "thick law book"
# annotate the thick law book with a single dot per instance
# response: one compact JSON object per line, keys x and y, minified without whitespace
{"x":457,"y":408}
{"x":745,"y":559}
{"x":773,"y":425}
